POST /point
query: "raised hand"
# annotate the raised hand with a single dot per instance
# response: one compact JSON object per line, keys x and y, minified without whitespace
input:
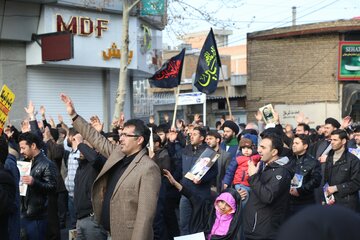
{"x":30,"y":110}
{"x":69,"y":104}
{"x":258,"y":116}
{"x":276,"y":117}
{"x":300,"y":117}
{"x":346,"y":122}
{"x":52,"y":122}
{"x":95,"y":123}
{"x":252,"y":169}
{"x":60,"y":118}
{"x":42,"y":111}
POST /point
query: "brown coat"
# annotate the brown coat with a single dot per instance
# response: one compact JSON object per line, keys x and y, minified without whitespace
{"x":133,"y":203}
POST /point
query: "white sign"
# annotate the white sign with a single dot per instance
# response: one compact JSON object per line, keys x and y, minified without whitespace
{"x":196,"y":236}
{"x":191,"y":98}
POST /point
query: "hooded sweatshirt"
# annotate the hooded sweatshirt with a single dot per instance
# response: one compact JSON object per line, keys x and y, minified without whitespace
{"x":222,"y":221}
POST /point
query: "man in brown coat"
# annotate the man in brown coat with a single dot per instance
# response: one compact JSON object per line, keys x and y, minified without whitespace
{"x":125,"y":192}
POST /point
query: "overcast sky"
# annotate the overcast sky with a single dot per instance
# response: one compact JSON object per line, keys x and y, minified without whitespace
{"x":243,"y":16}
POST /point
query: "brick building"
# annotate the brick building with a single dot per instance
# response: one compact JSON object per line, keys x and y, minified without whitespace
{"x":296,"y":69}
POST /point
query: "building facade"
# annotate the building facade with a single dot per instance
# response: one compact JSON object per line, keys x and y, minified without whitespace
{"x":91,"y":77}
{"x":296,"y":69}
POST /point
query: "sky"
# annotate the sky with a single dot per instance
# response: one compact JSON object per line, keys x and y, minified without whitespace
{"x":244,"y":16}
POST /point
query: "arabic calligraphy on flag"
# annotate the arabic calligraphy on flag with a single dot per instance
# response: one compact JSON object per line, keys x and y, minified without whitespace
{"x":208,"y":68}
{"x":169,"y":75}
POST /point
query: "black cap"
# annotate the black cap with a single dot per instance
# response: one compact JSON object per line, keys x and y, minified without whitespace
{"x":333,"y":122}
{"x":233,"y":126}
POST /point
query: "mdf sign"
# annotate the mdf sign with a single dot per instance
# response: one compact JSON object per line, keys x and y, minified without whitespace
{"x":82,"y":26}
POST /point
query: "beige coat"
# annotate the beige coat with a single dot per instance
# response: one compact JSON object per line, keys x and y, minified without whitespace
{"x":133,"y":203}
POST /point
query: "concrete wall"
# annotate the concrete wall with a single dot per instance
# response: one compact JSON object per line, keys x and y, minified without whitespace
{"x":13,"y":74}
{"x":293,"y":71}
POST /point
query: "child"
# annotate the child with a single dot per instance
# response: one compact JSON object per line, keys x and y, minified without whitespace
{"x":238,"y":173}
{"x":224,"y":221}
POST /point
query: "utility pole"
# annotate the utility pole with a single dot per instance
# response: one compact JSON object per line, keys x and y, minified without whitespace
{"x":294,"y":16}
{"x":128,"y":5}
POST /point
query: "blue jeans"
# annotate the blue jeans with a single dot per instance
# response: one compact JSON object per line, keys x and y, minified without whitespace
{"x":88,"y":229}
{"x":185,"y":210}
{"x":72,"y":212}
{"x":34,"y":229}
{"x":247,"y":189}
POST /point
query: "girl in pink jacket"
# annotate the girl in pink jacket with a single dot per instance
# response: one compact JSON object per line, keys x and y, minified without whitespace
{"x":225,"y":207}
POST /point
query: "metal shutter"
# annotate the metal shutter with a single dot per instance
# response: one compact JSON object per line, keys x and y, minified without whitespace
{"x":85,"y":87}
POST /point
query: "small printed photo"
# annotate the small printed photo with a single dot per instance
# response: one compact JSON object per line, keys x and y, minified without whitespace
{"x":268,"y":113}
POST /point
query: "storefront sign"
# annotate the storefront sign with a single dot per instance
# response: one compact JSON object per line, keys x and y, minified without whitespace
{"x":349,"y":61}
{"x":82,"y":26}
{"x":114,"y":52}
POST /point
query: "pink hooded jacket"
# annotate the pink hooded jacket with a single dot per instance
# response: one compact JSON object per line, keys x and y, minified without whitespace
{"x":222,"y":221}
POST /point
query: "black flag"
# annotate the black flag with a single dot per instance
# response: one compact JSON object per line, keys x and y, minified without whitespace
{"x":169,"y":75}
{"x":208,"y":68}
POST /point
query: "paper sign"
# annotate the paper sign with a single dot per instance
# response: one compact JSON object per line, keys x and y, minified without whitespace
{"x":24,"y":169}
{"x":196,"y":236}
{"x":297,"y":180}
{"x":7,"y":98}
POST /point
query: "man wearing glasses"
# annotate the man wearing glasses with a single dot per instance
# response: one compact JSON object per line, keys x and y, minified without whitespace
{"x":126,"y":190}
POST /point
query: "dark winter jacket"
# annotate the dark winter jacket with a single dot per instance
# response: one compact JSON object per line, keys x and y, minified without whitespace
{"x":345,"y":174}
{"x":189,"y":157}
{"x":86,"y":173}
{"x":268,"y":201}
{"x":310,"y":169}
{"x":14,"y":220}
{"x":44,"y":172}
{"x":7,"y":199}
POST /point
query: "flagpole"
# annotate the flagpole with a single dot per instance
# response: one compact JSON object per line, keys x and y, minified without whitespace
{"x":226,"y":91}
{"x":176,"y":92}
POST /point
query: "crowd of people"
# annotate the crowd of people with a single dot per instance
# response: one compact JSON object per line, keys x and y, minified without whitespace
{"x":268,"y":181}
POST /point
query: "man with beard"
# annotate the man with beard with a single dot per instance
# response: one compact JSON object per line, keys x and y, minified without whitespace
{"x":202,"y":188}
{"x":230,"y":142}
{"x":41,"y":183}
{"x":170,"y":141}
{"x":320,"y":151}
{"x":72,"y":165}
{"x":213,"y":140}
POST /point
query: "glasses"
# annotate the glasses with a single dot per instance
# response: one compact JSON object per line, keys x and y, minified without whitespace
{"x":128,"y":135}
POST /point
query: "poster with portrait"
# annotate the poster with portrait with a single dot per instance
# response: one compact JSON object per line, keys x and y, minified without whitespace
{"x":24,"y":169}
{"x":202,"y":164}
{"x":268,"y":113}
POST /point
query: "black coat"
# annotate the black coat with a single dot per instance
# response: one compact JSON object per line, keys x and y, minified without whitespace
{"x":310,"y":169}
{"x":345,"y":174}
{"x":44,"y":172}
{"x":266,"y":208}
{"x":86,"y":173}
{"x":7,"y":199}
